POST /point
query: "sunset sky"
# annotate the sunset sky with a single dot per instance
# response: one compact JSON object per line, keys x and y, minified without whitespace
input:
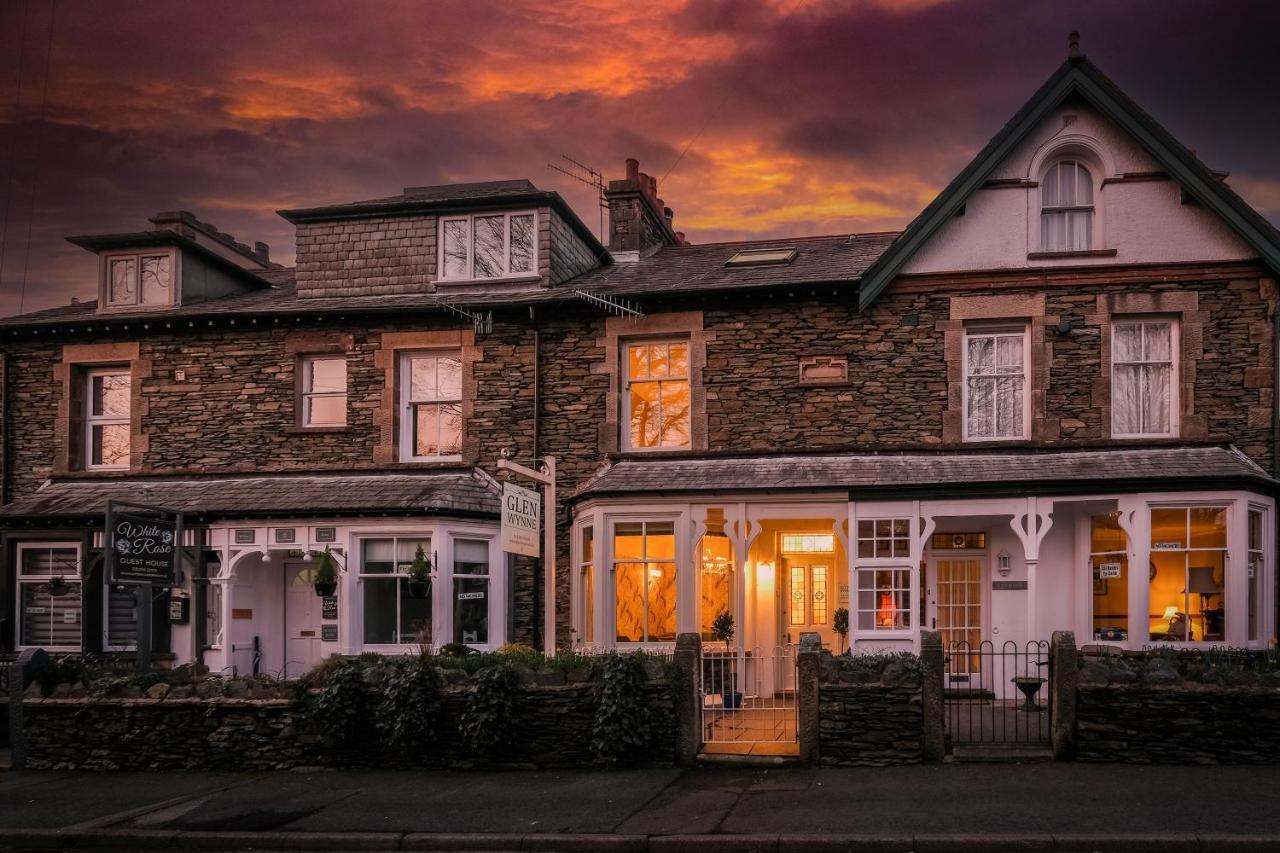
{"x":799,"y":117}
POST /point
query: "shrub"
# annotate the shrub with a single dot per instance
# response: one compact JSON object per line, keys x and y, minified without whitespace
{"x":491,"y":709}
{"x":340,"y":706}
{"x":410,"y":702}
{"x":621,"y":730}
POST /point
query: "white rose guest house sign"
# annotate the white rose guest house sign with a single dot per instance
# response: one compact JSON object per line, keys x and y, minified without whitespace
{"x":142,"y":545}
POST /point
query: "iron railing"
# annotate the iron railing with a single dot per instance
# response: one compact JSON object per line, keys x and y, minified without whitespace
{"x":997,"y":695}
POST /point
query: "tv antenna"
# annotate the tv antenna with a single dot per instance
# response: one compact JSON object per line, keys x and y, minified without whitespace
{"x":584,"y":174}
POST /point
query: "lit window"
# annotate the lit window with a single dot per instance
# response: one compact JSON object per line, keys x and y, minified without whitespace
{"x":394,"y":611}
{"x":138,"y":280}
{"x":1144,"y":390}
{"x":48,"y":596}
{"x":808,"y":543}
{"x":958,"y":542}
{"x":761,"y":258}
{"x":809,"y":593}
{"x":656,"y":395}
{"x":645,"y":578}
{"x":471,"y":591}
{"x":716,"y":583}
{"x":106,"y":434}
{"x":587,"y":596}
{"x":884,"y":537}
{"x":324,"y":391}
{"x":1109,"y":563}
{"x":1066,"y":208}
{"x":996,"y":385}
{"x":884,"y":599}
{"x":431,"y":409}
{"x":1258,"y":537}
{"x":1188,"y":561}
{"x":498,"y":245}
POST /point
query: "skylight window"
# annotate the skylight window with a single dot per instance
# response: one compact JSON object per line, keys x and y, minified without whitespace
{"x":761,"y":258}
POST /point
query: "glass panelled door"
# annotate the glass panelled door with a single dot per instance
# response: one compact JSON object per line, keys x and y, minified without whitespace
{"x":958,"y":608}
{"x":807,"y":584}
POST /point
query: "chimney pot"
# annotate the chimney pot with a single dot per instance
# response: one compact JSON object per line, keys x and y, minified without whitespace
{"x":262,"y":250}
{"x":633,"y":169}
{"x":1073,"y":45}
{"x":652,"y":186}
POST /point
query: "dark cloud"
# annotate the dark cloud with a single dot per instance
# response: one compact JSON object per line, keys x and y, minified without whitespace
{"x":794,"y":117}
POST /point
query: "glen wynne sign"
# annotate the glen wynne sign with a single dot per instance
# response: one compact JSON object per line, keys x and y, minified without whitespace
{"x":521,"y":520}
{"x":142,"y":544}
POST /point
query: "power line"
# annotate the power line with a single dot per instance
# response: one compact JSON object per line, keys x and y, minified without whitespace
{"x":35,"y":168}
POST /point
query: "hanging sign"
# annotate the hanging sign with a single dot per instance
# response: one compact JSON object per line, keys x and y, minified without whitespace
{"x":142,"y":548}
{"x":521,"y":520}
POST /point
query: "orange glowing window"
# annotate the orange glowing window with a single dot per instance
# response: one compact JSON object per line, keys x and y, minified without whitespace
{"x":884,"y":599}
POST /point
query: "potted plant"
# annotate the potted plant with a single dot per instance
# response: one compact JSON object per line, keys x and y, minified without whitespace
{"x":58,"y":586}
{"x":326,"y":575}
{"x":840,"y":623}
{"x":420,"y":574}
{"x":722,"y":628}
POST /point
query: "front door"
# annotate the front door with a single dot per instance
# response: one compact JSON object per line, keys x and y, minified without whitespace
{"x":957,"y":585}
{"x":301,"y":620}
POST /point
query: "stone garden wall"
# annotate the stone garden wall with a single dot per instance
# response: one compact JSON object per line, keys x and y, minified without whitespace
{"x":1162,"y":709}
{"x":870,"y":710}
{"x":264,"y":725}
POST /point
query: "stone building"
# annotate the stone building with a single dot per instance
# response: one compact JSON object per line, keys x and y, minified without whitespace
{"x":1049,"y":403}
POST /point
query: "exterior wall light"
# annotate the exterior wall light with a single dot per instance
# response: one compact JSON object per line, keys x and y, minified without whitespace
{"x":1002,"y":564}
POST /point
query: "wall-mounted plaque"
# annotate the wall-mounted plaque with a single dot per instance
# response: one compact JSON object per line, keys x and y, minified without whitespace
{"x":824,"y":370}
{"x":326,"y":534}
{"x":329,"y":607}
{"x":286,"y":535}
{"x":329,"y":633}
{"x":245,"y":535}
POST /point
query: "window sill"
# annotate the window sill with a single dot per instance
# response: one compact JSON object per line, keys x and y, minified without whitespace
{"x":431,"y":462}
{"x":320,"y":430}
{"x":1080,"y":253}
{"x":657,"y":451}
{"x":506,"y":279}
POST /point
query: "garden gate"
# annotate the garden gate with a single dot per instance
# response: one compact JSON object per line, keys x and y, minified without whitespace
{"x":997,"y":695}
{"x":748,"y":696}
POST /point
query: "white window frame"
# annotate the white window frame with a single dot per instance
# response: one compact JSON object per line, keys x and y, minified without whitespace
{"x":611,"y":601}
{"x":91,"y":420}
{"x":397,"y":575}
{"x":1227,"y":550}
{"x":1260,"y":582}
{"x":307,"y":393}
{"x":996,"y":331}
{"x":625,"y":390}
{"x":105,"y":301}
{"x":875,"y":538}
{"x":584,"y":616}
{"x":1175,"y":365}
{"x":21,"y":580}
{"x":1126,"y":552}
{"x":886,"y":565}
{"x":407,"y":420}
{"x":506,"y":246}
{"x":1065,"y":209}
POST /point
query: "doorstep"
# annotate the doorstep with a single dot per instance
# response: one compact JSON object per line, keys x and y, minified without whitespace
{"x":743,"y":752}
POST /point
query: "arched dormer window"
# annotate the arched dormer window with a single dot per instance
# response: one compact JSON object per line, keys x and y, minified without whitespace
{"x":1066,"y":207}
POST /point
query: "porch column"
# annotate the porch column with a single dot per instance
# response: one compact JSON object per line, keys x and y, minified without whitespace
{"x":1030,"y":526}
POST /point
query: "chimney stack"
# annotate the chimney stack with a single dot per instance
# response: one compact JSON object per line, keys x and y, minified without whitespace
{"x":262,"y":250}
{"x":639,"y":221}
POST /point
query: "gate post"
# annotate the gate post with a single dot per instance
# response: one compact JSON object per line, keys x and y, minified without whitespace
{"x":808,"y":696}
{"x":21,"y":673}
{"x":933,"y":738}
{"x":687,"y":696}
{"x":1063,"y":665}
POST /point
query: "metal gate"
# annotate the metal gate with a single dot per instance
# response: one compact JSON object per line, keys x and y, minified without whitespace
{"x":997,"y":695}
{"x":749,"y":696}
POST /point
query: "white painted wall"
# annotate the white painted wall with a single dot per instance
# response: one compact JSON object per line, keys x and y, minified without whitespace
{"x":1144,"y":222}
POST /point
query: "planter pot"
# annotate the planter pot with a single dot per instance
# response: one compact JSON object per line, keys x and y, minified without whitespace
{"x":418,"y":589}
{"x":324,"y":589}
{"x":732,"y":701}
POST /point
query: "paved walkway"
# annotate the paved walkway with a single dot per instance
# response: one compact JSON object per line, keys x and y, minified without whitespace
{"x":950,"y":807}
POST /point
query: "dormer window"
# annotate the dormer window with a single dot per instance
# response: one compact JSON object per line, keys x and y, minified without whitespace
{"x":487,"y":246}
{"x":1066,"y":207}
{"x":138,"y":279}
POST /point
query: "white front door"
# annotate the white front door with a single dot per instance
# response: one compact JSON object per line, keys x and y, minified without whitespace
{"x":956,"y":589}
{"x":301,"y":620}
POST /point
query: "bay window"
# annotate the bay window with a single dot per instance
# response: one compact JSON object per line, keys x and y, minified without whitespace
{"x":430,"y":405}
{"x":644,"y":569}
{"x":996,"y":385}
{"x":1109,"y":564}
{"x":1256,"y":567}
{"x":393,"y":613}
{"x":1188,"y":572}
{"x":471,"y":591}
{"x":656,"y":395}
{"x":106,"y":418}
{"x":884,"y":599}
{"x":716,"y":583}
{"x":587,"y":585}
{"x":1144,"y":379}
{"x":485,"y":246}
{"x":323,"y":391}
{"x":884,"y":537}
{"x":49,"y":596}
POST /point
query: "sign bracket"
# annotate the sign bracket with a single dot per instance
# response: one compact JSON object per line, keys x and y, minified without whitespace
{"x":546,"y":477}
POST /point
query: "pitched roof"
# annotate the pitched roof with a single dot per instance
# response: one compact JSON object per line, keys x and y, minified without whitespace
{"x":819,"y":260}
{"x":924,"y":473}
{"x":1080,"y":78}
{"x":455,"y":492}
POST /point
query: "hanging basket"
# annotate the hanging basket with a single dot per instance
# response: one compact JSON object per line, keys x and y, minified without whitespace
{"x":58,"y":588}
{"x":418,"y":589}
{"x":326,"y":588}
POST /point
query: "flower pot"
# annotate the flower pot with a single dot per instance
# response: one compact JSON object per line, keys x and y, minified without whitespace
{"x":326,"y":588}
{"x":732,"y":700}
{"x":418,"y":589}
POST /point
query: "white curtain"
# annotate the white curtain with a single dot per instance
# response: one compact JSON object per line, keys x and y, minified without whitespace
{"x":996,"y":380}
{"x":1142,"y":378}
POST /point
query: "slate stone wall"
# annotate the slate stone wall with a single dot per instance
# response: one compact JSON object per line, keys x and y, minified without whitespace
{"x":553,"y":729}
{"x":366,"y":257}
{"x":870,"y":711}
{"x":1178,"y":725}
